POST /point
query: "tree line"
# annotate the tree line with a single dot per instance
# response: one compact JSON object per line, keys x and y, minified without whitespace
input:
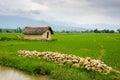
{"x":20,"y":30}
{"x":17,"y":30}
{"x":92,"y":31}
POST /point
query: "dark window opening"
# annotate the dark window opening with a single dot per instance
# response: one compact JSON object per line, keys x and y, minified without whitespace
{"x":47,"y":34}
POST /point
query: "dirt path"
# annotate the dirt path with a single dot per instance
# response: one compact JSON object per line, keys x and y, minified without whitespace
{"x":102,"y":54}
{"x":112,"y":38}
{"x":117,"y":71}
{"x":102,"y":51}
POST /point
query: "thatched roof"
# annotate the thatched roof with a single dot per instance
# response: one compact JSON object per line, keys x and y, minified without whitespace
{"x":36,"y":30}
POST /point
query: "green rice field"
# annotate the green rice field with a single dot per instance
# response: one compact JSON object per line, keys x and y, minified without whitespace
{"x":105,"y":47}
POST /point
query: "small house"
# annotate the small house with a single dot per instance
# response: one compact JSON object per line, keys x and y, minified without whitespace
{"x":37,"y":33}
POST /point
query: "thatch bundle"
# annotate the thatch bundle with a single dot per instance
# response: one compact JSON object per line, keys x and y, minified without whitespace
{"x":74,"y":61}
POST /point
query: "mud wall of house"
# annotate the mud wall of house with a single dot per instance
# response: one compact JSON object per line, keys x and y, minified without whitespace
{"x":44,"y":36}
{"x":33,"y":37}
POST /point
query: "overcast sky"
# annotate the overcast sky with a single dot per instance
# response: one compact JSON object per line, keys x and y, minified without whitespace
{"x":69,"y":11}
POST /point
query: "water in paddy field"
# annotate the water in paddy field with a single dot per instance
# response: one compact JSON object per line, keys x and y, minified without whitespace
{"x":13,"y":74}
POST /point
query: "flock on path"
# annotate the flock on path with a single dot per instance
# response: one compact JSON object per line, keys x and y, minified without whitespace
{"x":72,"y":60}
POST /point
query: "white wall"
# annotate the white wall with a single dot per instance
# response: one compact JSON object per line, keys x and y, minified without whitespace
{"x":39,"y":37}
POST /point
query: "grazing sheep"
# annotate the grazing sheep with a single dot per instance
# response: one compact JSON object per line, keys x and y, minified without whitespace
{"x":74,"y":61}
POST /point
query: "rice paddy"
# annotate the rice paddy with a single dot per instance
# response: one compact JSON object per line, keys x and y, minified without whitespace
{"x":105,"y":47}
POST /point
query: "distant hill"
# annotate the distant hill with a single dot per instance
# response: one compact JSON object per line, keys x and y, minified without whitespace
{"x":14,"y":22}
{"x":101,"y":26}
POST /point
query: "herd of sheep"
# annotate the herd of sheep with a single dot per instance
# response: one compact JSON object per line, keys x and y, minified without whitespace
{"x":74,"y":61}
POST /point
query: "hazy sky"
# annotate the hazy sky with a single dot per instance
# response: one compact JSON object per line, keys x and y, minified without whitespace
{"x":69,"y":11}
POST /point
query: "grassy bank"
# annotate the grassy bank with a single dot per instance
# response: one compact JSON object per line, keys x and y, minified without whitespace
{"x":95,"y":46}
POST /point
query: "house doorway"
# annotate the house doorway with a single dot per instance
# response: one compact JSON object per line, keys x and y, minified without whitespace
{"x":47,"y":35}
